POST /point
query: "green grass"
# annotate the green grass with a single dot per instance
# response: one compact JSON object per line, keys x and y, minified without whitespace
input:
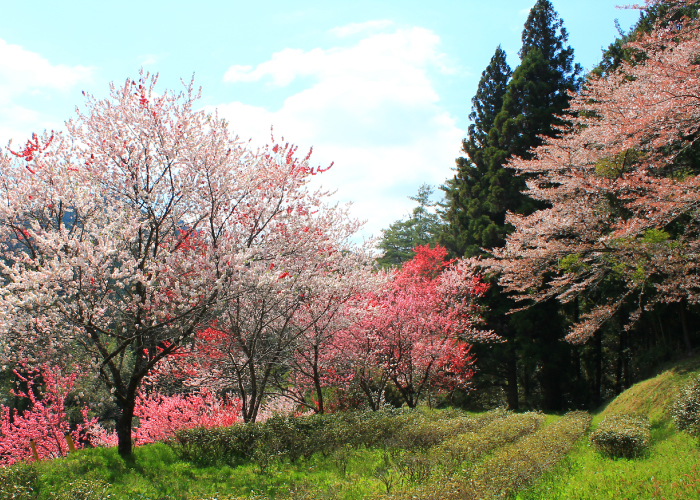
{"x":428,"y":455}
{"x":156,"y":472}
{"x":670,"y":470}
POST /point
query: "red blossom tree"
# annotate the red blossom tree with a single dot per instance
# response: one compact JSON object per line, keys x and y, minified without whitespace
{"x":622,"y":187}
{"x":417,"y":331}
{"x":44,"y":421}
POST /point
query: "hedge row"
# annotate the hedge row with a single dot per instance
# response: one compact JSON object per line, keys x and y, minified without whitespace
{"x":294,"y":438}
{"x":686,"y":410}
{"x":626,"y":436}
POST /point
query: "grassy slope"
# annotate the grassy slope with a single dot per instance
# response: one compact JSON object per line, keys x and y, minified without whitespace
{"x":671,"y":470}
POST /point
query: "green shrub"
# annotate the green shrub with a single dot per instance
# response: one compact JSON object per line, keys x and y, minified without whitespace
{"x":18,"y":481}
{"x":293,"y":438}
{"x":625,"y":436}
{"x":84,"y":489}
{"x":461,"y":450}
{"x":514,"y":466}
{"x":686,"y":409}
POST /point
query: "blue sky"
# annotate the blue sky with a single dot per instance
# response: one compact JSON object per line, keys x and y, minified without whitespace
{"x":382,"y":88}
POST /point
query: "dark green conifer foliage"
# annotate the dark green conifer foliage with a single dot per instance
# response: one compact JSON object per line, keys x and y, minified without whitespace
{"x":421,"y":227}
{"x":467,"y":210}
{"x":538,"y":93}
{"x":484,"y":190}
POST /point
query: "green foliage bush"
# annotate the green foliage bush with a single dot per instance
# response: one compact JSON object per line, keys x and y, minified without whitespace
{"x":462,"y":450}
{"x":18,"y":482}
{"x":84,"y":489}
{"x":294,"y":438}
{"x":686,"y":409}
{"x":514,"y":466}
{"x":625,"y":436}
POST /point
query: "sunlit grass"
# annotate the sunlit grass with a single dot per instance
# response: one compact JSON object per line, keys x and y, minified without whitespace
{"x":426,"y":454}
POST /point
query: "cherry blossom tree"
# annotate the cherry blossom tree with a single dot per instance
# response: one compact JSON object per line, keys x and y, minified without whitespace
{"x":418,"y":328}
{"x":622,"y":185}
{"x":282,"y":310}
{"x":313,"y":364}
{"x":121,"y":238}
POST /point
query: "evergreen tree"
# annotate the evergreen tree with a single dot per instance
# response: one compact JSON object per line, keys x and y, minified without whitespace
{"x":483,"y":191}
{"x":538,"y":93}
{"x":421,"y":227}
{"x":466,"y":209}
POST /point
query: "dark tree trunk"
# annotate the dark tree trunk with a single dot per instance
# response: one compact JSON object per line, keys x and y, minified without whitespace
{"x":598,"y":357}
{"x":512,"y":380}
{"x":123,"y":427}
{"x":317,"y":383}
{"x":618,"y":364}
{"x":686,"y":332}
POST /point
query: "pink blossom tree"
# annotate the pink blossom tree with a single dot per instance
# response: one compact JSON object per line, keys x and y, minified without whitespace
{"x":283,"y":309}
{"x":622,"y":187}
{"x":417,"y":330}
{"x":123,"y":237}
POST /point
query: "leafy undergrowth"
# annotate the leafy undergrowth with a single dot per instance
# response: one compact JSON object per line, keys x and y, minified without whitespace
{"x":669,"y":470}
{"x":400,"y":455}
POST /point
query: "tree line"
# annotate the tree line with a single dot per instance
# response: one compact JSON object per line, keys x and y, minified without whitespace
{"x":578,"y":196}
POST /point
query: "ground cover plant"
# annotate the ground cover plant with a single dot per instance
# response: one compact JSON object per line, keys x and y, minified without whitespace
{"x":385,"y":454}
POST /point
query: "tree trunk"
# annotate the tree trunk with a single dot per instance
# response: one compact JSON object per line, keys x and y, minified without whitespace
{"x":512,"y":380}
{"x":317,"y":383}
{"x":123,"y":427}
{"x":686,"y":332}
{"x":618,"y":365}
{"x":598,"y":385}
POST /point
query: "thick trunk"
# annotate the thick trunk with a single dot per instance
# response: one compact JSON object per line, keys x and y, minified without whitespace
{"x":123,"y":427}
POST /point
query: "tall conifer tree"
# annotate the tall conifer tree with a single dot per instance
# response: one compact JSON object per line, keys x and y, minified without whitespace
{"x":483,"y":191}
{"x":469,"y":224}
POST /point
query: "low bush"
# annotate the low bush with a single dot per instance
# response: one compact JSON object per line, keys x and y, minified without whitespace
{"x":84,"y":489}
{"x":462,"y":450}
{"x":18,"y":481}
{"x":626,"y":436}
{"x":686,"y":409}
{"x":514,"y":466}
{"x":293,"y":438}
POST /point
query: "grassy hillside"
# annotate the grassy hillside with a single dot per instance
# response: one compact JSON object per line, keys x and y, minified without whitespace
{"x":671,"y":469}
{"x":395,"y":454}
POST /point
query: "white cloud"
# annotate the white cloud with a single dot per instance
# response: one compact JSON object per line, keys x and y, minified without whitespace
{"x":355,"y":28}
{"x":22,"y":71}
{"x":26,"y":73}
{"x":149,"y":59}
{"x":372,"y":109}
